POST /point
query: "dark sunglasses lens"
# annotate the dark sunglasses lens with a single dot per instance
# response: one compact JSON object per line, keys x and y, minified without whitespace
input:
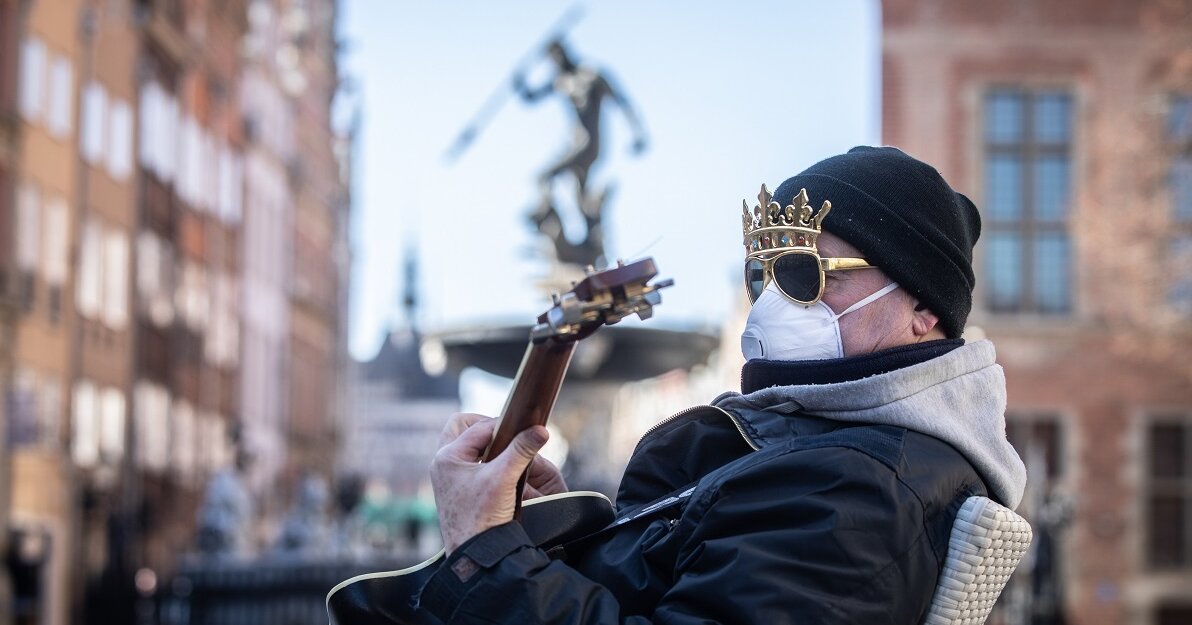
{"x":798,"y":275}
{"x":755,"y":278}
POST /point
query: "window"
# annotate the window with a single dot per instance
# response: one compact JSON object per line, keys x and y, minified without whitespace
{"x":1168,"y":505}
{"x":42,"y":245}
{"x":1039,"y":441}
{"x":56,"y":242}
{"x":106,"y":132}
{"x":98,"y":425}
{"x":61,"y":100}
{"x":85,"y":442}
{"x":55,"y":254}
{"x":115,"y":279}
{"x":89,"y":283}
{"x":34,"y":408}
{"x":120,"y":140}
{"x":102,"y":282}
{"x":190,"y":160}
{"x":182,"y":442}
{"x":28,"y":227}
{"x":1179,"y":133}
{"x":222,"y":338}
{"x":95,"y":105}
{"x":111,"y":432}
{"x":155,"y":261}
{"x":28,"y":242}
{"x":231,"y":184}
{"x":148,"y":112}
{"x":152,"y":415}
{"x":1028,"y":169}
{"x":159,"y":127}
{"x":207,"y":192}
{"x":51,"y":411}
{"x":192,"y":298}
{"x":22,"y":408}
{"x":198,"y":156}
{"x":33,"y":72}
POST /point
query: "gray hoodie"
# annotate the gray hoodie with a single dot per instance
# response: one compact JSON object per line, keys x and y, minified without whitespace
{"x":959,"y":398}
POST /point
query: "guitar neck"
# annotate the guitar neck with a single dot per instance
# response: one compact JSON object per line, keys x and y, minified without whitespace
{"x":534,"y":391}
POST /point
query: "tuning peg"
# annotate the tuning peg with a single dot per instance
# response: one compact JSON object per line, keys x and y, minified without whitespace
{"x":620,"y":262}
{"x":590,"y":269}
{"x":554,"y":298}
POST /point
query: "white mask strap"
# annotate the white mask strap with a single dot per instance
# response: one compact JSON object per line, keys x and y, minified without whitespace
{"x":865,"y":301}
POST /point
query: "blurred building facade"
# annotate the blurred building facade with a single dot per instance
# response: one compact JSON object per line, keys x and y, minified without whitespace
{"x":398,"y":403}
{"x":1069,"y":124}
{"x":397,"y":411}
{"x":154,"y":155}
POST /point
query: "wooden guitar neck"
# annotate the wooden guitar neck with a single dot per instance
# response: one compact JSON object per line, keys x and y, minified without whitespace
{"x":534,"y":391}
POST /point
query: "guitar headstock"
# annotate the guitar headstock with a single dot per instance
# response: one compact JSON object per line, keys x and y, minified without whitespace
{"x":602,"y":298}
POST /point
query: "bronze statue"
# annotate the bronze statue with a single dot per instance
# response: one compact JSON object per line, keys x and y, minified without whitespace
{"x":586,"y":88}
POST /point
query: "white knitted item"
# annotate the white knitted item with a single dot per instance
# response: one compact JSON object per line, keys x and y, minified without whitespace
{"x":988,"y":541}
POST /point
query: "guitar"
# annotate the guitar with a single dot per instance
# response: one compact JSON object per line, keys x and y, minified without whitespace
{"x":602,"y":298}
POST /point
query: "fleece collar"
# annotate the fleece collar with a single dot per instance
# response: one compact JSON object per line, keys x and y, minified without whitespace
{"x":958,"y":397}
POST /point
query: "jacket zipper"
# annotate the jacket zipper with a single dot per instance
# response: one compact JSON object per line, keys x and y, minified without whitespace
{"x":731,"y":417}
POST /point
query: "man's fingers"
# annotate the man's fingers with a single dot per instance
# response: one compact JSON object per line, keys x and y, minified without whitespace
{"x":456,"y":425}
{"x":471,"y":443}
{"x":527,"y":442}
{"x":541,"y":467}
{"x":522,"y":450}
{"x":544,"y":478}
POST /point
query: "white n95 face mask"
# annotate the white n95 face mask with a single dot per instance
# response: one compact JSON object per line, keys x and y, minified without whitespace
{"x":779,"y":329}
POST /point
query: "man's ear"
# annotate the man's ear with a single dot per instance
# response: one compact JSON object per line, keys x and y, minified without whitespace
{"x":923,"y":321}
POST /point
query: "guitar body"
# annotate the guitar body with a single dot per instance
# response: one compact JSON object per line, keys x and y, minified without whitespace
{"x":602,"y":298}
{"x":385,"y":598}
{"x":390,"y":597}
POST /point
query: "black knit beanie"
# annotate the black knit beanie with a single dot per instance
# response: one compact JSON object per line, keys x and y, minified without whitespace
{"x":904,"y":218}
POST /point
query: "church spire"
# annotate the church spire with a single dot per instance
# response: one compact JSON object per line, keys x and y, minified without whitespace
{"x":409,"y":299}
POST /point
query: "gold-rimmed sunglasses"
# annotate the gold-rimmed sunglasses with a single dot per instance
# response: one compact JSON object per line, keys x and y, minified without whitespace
{"x":798,"y":274}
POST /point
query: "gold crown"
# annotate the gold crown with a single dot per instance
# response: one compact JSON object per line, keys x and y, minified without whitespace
{"x":774,"y":228}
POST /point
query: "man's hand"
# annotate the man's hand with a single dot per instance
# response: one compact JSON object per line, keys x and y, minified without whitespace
{"x":472,"y":496}
{"x":544,"y":479}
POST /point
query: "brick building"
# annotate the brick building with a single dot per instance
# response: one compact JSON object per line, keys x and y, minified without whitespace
{"x":9,"y":150}
{"x":47,"y":175}
{"x":139,"y":245}
{"x":188,"y":268}
{"x":295,"y":247}
{"x":319,"y":251}
{"x":1069,"y":123}
{"x":268,"y":235}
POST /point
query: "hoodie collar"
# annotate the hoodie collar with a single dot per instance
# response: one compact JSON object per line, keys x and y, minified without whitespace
{"x":958,"y":397}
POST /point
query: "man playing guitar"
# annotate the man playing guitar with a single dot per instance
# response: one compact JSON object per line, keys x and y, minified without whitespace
{"x":824,"y":491}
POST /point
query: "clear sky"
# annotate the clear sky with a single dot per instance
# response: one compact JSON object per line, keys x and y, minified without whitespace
{"x":732,"y":95}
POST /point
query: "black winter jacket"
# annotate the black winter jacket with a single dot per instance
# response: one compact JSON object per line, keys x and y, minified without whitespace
{"x":737,"y":517}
